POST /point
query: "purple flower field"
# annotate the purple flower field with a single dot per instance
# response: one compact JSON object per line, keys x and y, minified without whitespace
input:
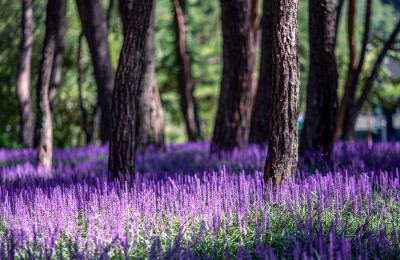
{"x":187,"y":204}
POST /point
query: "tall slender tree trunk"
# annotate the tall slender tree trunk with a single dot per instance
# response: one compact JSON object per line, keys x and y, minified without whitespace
{"x":232,"y":123}
{"x":261,"y":109}
{"x":255,"y":28}
{"x":44,"y":119}
{"x":186,"y":86}
{"x":55,"y":77}
{"x":127,"y":82}
{"x":351,"y":106}
{"x":109,"y":12}
{"x":351,"y":68}
{"x":24,"y":77}
{"x":338,"y":15}
{"x":354,"y":110}
{"x":322,"y":102}
{"x":85,"y":122}
{"x":150,"y":120}
{"x":282,"y":156}
{"x":94,"y":25}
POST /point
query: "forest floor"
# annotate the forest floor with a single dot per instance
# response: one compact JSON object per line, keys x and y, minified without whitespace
{"x":186,"y":203}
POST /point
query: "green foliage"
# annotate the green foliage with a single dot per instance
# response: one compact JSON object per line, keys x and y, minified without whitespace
{"x":204,"y":43}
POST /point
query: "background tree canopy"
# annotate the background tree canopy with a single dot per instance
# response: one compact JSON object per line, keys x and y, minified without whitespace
{"x":204,"y":42}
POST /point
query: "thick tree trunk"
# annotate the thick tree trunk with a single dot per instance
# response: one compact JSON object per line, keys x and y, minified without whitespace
{"x":55,"y":77}
{"x":282,"y":156}
{"x":322,"y":102}
{"x":24,"y":77}
{"x":186,"y":86}
{"x":354,"y":110}
{"x":150,"y":120}
{"x":351,"y":68}
{"x":232,"y":123}
{"x":127,"y":82}
{"x":261,"y":109}
{"x":94,"y":25}
{"x":44,"y":119}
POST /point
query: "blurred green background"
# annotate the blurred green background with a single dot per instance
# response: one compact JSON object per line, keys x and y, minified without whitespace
{"x":205,"y":45}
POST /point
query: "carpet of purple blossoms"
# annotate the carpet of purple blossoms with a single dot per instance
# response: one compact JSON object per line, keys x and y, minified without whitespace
{"x":187,"y":204}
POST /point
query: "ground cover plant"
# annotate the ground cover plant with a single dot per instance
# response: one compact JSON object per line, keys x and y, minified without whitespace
{"x":186,"y":203}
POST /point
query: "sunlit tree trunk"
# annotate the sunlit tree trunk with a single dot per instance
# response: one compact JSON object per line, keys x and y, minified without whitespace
{"x":150,"y":119}
{"x":55,"y":77}
{"x":125,"y":95}
{"x":95,"y":27}
{"x":24,"y":77}
{"x":185,"y":80}
{"x":322,"y":104}
{"x":232,"y":123}
{"x":282,"y":156}
{"x":261,"y":109}
{"x":44,"y":118}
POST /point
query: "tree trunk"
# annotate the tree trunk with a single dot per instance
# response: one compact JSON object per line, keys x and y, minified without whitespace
{"x":127,"y":82}
{"x":255,"y":28}
{"x":261,"y":109}
{"x":85,"y":124}
{"x":322,"y":102}
{"x":232,"y":123}
{"x":338,"y":15}
{"x":94,"y":25}
{"x":352,"y":67}
{"x":354,"y":110}
{"x":281,"y":161}
{"x":109,"y":12}
{"x":24,"y":77}
{"x":44,"y":119}
{"x":186,"y":87}
{"x":150,"y":120}
{"x":94,"y":129}
{"x":55,"y":77}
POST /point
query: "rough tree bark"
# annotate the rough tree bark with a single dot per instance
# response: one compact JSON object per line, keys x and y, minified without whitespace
{"x":185,"y":81}
{"x":24,"y":77}
{"x":232,"y":123}
{"x":127,"y":82}
{"x":281,"y":161}
{"x":44,"y":119}
{"x":94,"y":25}
{"x":55,"y":77}
{"x":150,"y":120}
{"x":322,"y":102}
{"x":261,"y":108}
